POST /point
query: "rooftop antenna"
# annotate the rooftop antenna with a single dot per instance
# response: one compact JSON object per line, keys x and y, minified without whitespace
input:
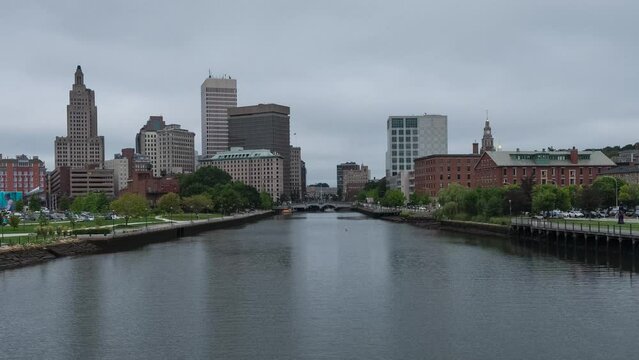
{"x":209,"y":73}
{"x":486,"y":114}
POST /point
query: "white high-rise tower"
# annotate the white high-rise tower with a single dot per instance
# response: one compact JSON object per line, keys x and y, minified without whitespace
{"x":217,"y":95}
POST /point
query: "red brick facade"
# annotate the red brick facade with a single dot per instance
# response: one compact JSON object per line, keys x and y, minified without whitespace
{"x":143,"y":183}
{"x":435,"y":172}
{"x":22,"y":174}
{"x":556,"y":168}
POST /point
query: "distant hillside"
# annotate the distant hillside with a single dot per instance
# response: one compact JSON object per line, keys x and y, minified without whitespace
{"x":611,"y":151}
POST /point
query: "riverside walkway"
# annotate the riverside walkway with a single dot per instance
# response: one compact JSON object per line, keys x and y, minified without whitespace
{"x":582,"y":233}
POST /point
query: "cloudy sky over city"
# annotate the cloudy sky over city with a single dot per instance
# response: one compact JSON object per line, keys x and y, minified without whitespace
{"x":550,"y":73}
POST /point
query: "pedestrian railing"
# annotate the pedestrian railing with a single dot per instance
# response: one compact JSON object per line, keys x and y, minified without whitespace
{"x":598,"y":228}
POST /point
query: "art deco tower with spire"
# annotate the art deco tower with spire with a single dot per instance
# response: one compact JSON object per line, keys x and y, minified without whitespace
{"x":82,"y":146}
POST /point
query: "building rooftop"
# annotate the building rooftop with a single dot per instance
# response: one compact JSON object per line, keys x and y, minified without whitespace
{"x":447,"y":155}
{"x":259,"y":109}
{"x":548,"y":158}
{"x":622,"y":170}
{"x":239,"y":153}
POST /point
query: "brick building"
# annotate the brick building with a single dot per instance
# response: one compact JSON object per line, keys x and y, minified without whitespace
{"x":22,"y":174}
{"x":435,"y":172}
{"x":562,"y":168}
{"x":152,"y":188}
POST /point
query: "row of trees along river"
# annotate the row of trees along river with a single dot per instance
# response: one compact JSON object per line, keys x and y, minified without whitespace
{"x":208,"y":189}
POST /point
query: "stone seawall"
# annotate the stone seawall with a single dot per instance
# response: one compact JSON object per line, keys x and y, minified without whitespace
{"x":24,"y":256}
{"x":475,"y":228}
{"x":467,"y":227}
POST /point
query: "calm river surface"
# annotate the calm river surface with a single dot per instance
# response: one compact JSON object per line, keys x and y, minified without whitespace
{"x":320,"y":286}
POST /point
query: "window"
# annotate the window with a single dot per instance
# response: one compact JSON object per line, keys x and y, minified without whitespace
{"x":411,"y":122}
{"x":397,"y":123}
{"x":394,"y":132}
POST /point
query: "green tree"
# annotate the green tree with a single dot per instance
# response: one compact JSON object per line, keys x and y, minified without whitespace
{"x":205,"y":178}
{"x":78,"y":204}
{"x":34,"y":203}
{"x":629,"y":195}
{"x":605,"y":187}
{"x":544,"y":199}
{"x":14,"y":221}
{"x":129,"y":206}
{"x":64,"y":203}
{"x":19,"y":204}
{"x":197,"y":203}
{"x":419,"y":199}
{"x":266,"y":201}
{"x":490,"y":202}
{"x":170,"y":203}
{"x":228,"y":200}
{"x":393,"y":198}
{"x":588,"y":199}
{"x":549,"y":197}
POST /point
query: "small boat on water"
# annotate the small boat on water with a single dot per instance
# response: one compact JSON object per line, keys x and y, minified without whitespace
{"x":287,"y":212}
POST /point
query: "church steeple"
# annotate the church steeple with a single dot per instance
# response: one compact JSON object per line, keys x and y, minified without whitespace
{"x":79,"y":76}
{"x":487,"y":139}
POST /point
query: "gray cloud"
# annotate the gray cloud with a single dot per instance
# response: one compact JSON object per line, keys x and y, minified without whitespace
{"x":550,"y":73}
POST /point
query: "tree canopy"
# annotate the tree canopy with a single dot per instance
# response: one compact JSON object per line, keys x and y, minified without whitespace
{"x":129,"y":206}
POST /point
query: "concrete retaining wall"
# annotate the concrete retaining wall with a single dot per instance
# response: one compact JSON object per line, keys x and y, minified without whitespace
{"x":24,"y":256}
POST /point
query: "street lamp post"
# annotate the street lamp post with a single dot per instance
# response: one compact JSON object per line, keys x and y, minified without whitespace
{"x":510,"y":207}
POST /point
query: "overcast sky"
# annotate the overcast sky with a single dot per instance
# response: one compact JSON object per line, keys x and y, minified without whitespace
{"x":560,"y":73}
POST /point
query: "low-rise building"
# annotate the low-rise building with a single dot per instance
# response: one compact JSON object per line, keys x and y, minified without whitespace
{"x":152,"y":188}
{"x":354,"y":181}
{"x":435,"y":172}
{"x":22,"y":174}
{"x":562,"y":168}
{"x":314,"y":193}
{"x":72,"y":182}
{"x":259,"y":168}
{"x":629,"y":174}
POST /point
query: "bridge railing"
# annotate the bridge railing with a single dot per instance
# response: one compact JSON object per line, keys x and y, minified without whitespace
{"x":584,"y":226}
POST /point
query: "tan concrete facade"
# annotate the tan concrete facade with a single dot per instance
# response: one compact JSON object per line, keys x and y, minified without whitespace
{"x":259,"y":168}
{"x":82,"y":146}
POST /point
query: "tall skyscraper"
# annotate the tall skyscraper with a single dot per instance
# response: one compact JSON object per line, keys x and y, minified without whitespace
{"x":410,"y":137}
{"x":217,"y":95}
{"x":82,"y":146}
{"x":263,"y":126}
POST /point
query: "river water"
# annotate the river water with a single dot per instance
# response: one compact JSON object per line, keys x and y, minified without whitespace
{"x":320,"y":286}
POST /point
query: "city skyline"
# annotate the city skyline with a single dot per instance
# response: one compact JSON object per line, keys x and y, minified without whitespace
{"x":552,"y":69}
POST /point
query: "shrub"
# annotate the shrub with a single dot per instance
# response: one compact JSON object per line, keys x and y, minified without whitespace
{"x":91,"y":231}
